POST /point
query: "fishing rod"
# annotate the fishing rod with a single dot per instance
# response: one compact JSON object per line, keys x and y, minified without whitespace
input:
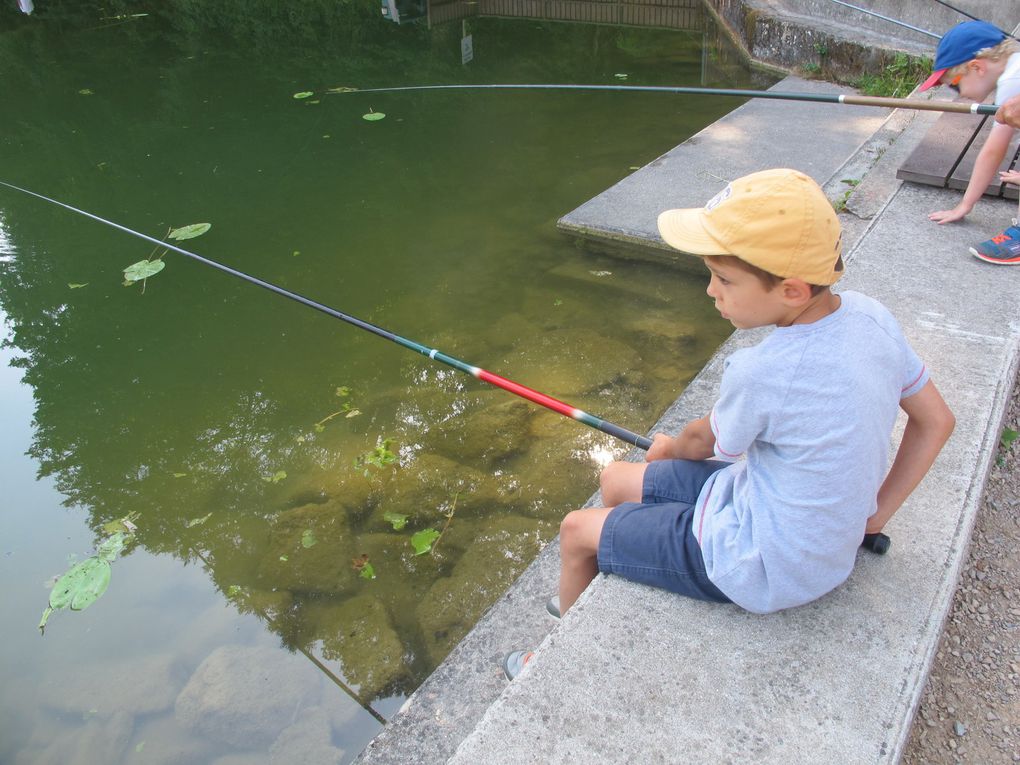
{"x":517,"y":389}
{"x":848,"y":99}
{"x":969,"y":15}
{"x":877,"y":543}
{"x":889,"y":19}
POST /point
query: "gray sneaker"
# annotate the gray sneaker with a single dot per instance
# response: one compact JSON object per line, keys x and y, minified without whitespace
{"x":514,"y":662}
{"x":553,"y":606}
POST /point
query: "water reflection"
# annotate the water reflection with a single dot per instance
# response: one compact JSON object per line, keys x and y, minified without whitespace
{"x":210,"y":408}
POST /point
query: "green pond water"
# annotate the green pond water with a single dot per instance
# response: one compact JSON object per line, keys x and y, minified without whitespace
{"x":232,"y":426}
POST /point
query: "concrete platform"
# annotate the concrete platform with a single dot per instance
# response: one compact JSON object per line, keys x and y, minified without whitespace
{"x":632,"y":674}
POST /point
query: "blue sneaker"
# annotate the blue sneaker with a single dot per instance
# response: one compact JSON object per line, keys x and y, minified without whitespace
{"x":1003,"y":249}
{"x":514,"y":662}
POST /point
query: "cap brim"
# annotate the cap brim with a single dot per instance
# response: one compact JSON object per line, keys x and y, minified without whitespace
{"x":932,"y":81}
{"x":685,"y":230}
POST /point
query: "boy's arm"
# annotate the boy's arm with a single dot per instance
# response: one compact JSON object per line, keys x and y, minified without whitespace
{"x":987,"y":162}
{"x":929,"y":424}
{"x":695,"y":442}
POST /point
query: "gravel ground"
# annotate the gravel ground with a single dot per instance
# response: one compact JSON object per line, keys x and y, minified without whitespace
{"x":970,"y":710}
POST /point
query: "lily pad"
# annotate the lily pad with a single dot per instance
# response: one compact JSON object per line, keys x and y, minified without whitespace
{"x":304,"y":94}
{"x":373,"y":116}
{"x":190,"y":231}
{"x":142,"y":270}
{"x":82,"y":585}
{"x":308,"y":538}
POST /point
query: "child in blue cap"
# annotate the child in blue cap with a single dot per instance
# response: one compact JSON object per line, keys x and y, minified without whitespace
{"x":975,"y":59}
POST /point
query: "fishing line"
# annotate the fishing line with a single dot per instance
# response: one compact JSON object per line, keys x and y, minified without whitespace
{"x":510,"y":386}
{"x":889,"y":19}
{"x":848,"y":99}
{"x":970,"y":16}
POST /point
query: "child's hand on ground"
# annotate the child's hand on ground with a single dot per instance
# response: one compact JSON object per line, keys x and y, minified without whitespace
{"x":1010,"y":176}
{"x":950,"y":216}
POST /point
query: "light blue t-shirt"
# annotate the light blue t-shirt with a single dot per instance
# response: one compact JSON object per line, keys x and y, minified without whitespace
{"x":811,"y":411}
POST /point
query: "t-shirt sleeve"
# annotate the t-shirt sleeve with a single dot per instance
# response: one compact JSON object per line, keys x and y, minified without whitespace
{"x":916,"y":376}
{"x":738,"y":417}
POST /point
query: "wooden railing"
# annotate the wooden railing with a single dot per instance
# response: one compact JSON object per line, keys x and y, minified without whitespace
{"x":669,"y":14}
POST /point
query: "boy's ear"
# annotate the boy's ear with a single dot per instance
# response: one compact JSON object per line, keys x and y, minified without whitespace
{"x":796,"y":292}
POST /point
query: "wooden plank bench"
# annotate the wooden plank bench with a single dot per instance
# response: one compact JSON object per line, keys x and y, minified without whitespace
{"x":945,"y":157}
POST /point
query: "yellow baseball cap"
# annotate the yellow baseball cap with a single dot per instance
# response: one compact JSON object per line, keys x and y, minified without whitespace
{"x":778,"y":220}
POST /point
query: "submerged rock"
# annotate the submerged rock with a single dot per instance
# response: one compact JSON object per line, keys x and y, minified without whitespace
{"x":308,"y":740}
{"x":494,"y":560}
{"x":309,"y":550}
{"x":565,"y":362}
{"x":358,"y":634}
{"x":139,"y":685}
{"x":484,"y":435}
{"x":245,"y":696}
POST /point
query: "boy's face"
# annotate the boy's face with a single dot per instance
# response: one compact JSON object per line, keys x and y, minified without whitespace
{"x":743,"y":298}
{"x":978,"y":79}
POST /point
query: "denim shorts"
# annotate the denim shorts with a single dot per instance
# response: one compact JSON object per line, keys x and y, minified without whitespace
{"x":652,"y":541}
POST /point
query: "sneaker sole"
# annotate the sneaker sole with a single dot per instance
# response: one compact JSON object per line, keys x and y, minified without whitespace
{"x":997,"y":261}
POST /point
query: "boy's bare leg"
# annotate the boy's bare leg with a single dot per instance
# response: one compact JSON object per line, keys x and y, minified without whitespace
{"x":579,"y":545}
{"x":622,"y":482}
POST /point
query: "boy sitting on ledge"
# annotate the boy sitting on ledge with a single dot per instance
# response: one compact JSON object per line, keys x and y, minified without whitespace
{"x":764,"y":501}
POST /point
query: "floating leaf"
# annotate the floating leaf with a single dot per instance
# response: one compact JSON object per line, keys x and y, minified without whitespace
{"x":121,"y":524}
{"x":373,"y":116}
{"x":423,"y":540}
{"x":142,"y":270}
{"x":367,"y":572}
{"x":343,"y":391}
{"x":304,"y":94}
{"x":190,"y":231}
{"x":620,"y":76}
{"x":308,"y":538}
{"x":112,"y":547}
{"x":76,"y":286}
{"x":352,"y":413}
{"x":363,"y":567}
{"x":341,"y":90}
{"x":276,"y":477}
{"x":284,"y":558}
{"x":397,"y":520}
{"x":179,"y":475}
{"x":82,"y":585}
{"x":85,"y":92}
{"x":198,"y":521}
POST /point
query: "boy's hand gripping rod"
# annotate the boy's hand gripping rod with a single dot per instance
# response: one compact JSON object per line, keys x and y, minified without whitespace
{"x":878,"y":543}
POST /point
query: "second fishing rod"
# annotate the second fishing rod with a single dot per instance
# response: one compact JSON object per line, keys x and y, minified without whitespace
{"x":877,"y":543}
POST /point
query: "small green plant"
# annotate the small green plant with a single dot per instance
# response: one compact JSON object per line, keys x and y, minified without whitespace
{"x":840,"y":204}
{"x":427,"y":540}
{"x":379,"y":457}
{"x":348,"y":410}
{"x":896,"y":79}
{"x":812,"y":68}
{"x":821,"y":49}
{"x":1007,"y":438}
{"x":152,"y":265}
